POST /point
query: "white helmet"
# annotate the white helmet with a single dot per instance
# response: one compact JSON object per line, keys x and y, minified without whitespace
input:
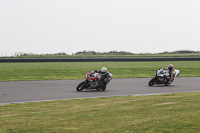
{"x":104,"y":69}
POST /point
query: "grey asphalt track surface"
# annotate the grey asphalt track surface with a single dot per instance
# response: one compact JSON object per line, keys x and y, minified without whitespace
{"x":32,"y":91}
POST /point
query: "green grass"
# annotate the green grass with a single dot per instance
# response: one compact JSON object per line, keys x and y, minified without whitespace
{"x":160,"y":113}
{"x":156,"y":113}
{"x":77,"y":70}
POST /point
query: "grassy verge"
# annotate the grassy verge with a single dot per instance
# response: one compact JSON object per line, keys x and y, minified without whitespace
{"x":77,"y":70}
{"x":156,"y":113}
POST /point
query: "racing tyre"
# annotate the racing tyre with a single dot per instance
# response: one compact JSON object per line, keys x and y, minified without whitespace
{"x":81,"y":86}
{"x":99,"y":89}
{"x":166,"y":84}
{"x":104,"y":88}
{"x":151,"y":82}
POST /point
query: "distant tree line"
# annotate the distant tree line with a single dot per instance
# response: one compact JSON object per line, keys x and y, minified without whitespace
{"x":129,"y":53}
{"x":28,"y":54}
{"x":180,"y":52}
{"x":108,"y":53}
{"x":103,"y":53}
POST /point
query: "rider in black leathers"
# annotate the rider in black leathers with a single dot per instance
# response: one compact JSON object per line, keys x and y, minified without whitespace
{"x":104,"y":72}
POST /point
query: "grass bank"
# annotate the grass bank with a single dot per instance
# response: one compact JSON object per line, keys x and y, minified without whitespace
{"x":77,"y":70}
{"x":156,"y":113}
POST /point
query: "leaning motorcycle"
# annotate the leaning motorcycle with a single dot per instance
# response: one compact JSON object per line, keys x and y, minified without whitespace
{"x":161,"y":77}
{"x":96,"y":81}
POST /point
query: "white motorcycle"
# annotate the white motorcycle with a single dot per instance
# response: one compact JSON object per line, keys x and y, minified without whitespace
{"x":162,"y":76}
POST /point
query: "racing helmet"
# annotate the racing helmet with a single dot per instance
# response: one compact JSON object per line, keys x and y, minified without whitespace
{"x":104,"y":69}
{"x":170,"y":66}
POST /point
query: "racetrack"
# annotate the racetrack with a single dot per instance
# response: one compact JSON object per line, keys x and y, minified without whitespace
{"x":31,"y":91}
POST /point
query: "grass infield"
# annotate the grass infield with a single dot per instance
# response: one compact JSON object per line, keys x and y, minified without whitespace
{"x":157,"y":113}
{"x":77,"y":70}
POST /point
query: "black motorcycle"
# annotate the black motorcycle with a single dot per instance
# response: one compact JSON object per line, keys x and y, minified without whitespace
{"x":95,"y":81}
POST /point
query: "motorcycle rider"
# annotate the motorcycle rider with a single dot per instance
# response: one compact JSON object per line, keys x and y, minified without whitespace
{"x":171,"y":72}
{"x":171,"y":69}
{"x":103,"y":72}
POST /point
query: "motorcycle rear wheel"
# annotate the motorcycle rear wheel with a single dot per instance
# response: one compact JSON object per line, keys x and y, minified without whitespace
{"x":103,"y":89}
{"x":81,"y":86}
{"x":166,"y":84}
{"x":99,"y":89}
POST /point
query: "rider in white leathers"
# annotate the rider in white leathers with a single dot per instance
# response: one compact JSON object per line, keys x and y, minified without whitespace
{"x":171,"y":73}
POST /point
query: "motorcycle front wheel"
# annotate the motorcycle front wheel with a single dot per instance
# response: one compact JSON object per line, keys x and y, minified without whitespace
{"x":81,"y":86}
{"x":151,"y":82}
